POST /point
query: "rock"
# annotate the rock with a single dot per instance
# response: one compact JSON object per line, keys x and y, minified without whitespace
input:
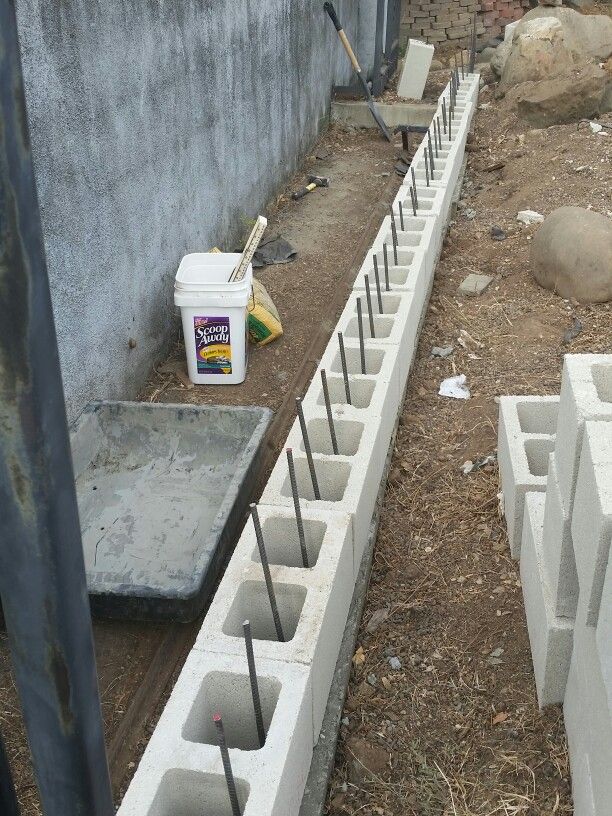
{"x":497,"y":234}
{"x":587,"y":35}
{"x":605,"y":106}
{"x":550,"y":2}
{"x":529,"y":217}
{"x":474,"y":285}
{"x":579,"y":5}
{"x":538,"y":52}
{"x":436,"y":65}
{"x":571,"y":254}
{"x":560,"y":100}
{"x":486,"y":55}
{"x":366,"y":759}
{"x":498,"y":60}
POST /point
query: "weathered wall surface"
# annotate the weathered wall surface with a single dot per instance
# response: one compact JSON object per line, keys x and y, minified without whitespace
{"x":158,"y":127}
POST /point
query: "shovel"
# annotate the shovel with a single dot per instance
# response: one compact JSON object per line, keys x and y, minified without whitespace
{"x":329,"y":8}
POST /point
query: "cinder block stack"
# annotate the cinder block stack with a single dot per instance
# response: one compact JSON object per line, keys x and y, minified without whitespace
{"x":182,"y":770}
{"x":566,"y":570}
{"x":437,"y":21}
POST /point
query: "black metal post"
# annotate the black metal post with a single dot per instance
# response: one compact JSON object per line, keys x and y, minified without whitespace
{"x":42,"y":574}
{"x":8,"y":799}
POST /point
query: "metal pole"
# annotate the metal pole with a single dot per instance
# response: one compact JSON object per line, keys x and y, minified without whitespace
{"x":330,"y":416}
{"x":297,"y":508}
{"x":42,"y":574}
{"x":8,"y":799}
{"x":308,"y":449}
{"x":414,"y":207}
{"x":227,"y":765}
{"x":347,"y":387}
{"x":360,"y":328}
{"x":265,"y":565}
{"x":386,"y":264}
{"x":369,"y":302}
{"x":248,"y":644}
{"x":401,"y":214}
{"x":377,"y":281}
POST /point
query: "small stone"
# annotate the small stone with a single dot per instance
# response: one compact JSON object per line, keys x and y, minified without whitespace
{"x":497,"y":234}
{"x":474,"y":285}
{"x":372,"y":679}
{"x":469,"y":213}
{"x":529,"y":217}
{"x":442,"y":351}
{"x":395,"y":663}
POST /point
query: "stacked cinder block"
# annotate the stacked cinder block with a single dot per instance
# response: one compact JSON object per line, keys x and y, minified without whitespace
{"x":181,"y":770}
{"x":438,"y":21}
{"x":566,"y":570}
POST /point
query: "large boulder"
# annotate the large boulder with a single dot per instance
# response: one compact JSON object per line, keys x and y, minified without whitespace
{"x":571,"y":254}
{"x":538,"y":52}
{"x":560,"y":100}
{"x":588,"y":35}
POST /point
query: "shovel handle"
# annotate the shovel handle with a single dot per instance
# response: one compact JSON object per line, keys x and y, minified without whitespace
{"x":329,"y":8}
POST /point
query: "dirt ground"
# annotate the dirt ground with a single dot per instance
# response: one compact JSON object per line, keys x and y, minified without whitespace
{"x":454,"y":729}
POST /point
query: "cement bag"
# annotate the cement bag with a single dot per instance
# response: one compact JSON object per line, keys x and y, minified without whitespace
{"x":264,"y":322}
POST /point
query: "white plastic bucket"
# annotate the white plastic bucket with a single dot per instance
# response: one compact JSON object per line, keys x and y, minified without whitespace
{"x":214,"y":315}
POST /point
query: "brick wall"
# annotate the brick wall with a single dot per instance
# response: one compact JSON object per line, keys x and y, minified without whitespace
{"x":438,"y":21}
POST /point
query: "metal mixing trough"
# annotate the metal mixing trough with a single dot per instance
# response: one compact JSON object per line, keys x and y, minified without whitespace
{"x":161,"y":491}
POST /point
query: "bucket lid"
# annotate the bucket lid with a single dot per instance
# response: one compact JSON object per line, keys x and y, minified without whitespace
{"x":204,"y":269}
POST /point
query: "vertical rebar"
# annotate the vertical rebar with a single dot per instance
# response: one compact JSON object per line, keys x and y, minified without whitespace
{"x":360,"y":332}
{"x":444,"y":113}
{"x":266,"y":571}
{"x":473,"y":54}
{"x":377,"y":280}
{"x":431,"y":152}
{"x":414,"y":207}
{"x":370,"y":312}
{"x":330,"y":416}
{"x":347,"y":388}
{"x":297,"y":508}
{"x":439,"y":131}
{"x":401,"y":215}
{"x":227,"y":766}
{"x":394,"y":239}
{"x":450,"y":130}
{"x":259,"y":723}
{"x":426,"y":169}
{"x":308,"y":449}
{"x":386,"y":265}
{"x":462,"y":65}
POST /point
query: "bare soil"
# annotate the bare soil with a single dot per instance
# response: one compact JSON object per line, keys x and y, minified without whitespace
{"x":455,"y":728}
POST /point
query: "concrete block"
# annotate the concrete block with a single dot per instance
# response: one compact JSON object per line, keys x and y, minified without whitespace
{"x":526,"y":433}
{"x":587,"y":713}
{"x":586,"y":394}
{"x":474,"y":285}
{"x":375,"y":394}
{"x":591,"y":523}
{"x":416,"y":70}
{"x":313,"y":602}
{"x":396,"y":319}
{"x":181,"y":769}
{"x":357,"y":113}
{"x":550,"y":636}
{"x":558,"y":549}
{"x":348,"y":483}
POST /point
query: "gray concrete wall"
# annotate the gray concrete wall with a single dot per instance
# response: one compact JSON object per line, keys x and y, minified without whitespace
{"x":158,"y":128}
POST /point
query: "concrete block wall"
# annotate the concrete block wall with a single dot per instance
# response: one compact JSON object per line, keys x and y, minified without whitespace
{"x":566,"y":568}
{"x":440,"y":21}
{"x":181,"y":770}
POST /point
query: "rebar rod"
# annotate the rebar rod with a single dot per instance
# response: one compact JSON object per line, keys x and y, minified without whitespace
{"x":227,"y":765}
{"x":265,"y":565}
{"x":259,"y":723}
{"x":308,"y":449}
{"x":297,"y":508}
{"x":330,"y":416}
{"x":347,"y":388}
